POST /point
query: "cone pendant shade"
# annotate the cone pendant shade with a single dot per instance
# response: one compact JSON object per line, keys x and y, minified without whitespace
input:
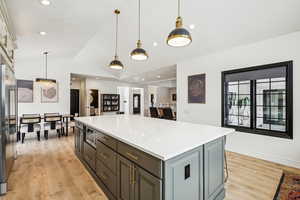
{"x":116,"y":63}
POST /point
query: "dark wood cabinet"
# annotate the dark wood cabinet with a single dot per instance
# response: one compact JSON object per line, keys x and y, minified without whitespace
{"x":126,"y":173}
{"x":134,"y":183}
{"x":125,"y":188}
{"x":78,"y":139}
{"x":147,"y":187}
{"x":89,"y":155}
{"x":107,"y":177}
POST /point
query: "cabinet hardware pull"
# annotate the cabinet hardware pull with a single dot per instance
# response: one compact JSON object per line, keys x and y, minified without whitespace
{"x":130,"y":174}
{"x":132,"y":156}
{"x":104,"y":176}
{"x":133,"y":175}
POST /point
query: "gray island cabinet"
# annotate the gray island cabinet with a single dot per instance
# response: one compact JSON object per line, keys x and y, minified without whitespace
{"x":139,"y":158}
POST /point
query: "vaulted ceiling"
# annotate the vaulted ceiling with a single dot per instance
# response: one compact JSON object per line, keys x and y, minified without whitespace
{"x":84,"y":30}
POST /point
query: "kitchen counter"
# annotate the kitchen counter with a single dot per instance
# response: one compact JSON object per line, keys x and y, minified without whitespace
{"x":164,"y":139}
{"x":140,"y":158}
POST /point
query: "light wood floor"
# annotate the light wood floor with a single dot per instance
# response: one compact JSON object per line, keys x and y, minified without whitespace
{"x":50,"y":170}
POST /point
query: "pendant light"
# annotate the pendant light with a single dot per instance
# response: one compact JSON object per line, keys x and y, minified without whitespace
{"x":180,"y":36}
{"x":139,"y":53}
{"x":45,"y":80}
{"x":116,"y":63}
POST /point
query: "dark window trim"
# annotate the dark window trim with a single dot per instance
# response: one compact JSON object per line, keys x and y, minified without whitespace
{"x":289,"y":101}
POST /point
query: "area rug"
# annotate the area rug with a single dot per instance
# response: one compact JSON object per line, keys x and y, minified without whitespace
{"x":289,"y":187}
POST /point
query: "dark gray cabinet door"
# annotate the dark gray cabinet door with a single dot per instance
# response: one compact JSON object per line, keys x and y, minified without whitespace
{"x":214,"y":170}
{"x":77,"y":139}
{"x":125,"y":187}
{"x":147,"y":187}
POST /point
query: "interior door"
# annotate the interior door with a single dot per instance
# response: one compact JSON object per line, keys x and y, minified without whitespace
{"x":74,"y":102}
{"x":136,"y":104}
{"x":94,"y":102}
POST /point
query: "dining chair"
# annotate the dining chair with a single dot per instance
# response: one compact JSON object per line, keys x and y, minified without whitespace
{"x":168,"y":114}
{"x":71,"y":124}
{"x":153,"y":112}
{"x":30,"y":123}
{"x":53,"y":121}
{"x":160,"y":112}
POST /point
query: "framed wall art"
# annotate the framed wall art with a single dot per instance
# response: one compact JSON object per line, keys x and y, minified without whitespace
{"x":197,"y":88}
{"x":25,"y":91}
{"x":49,"y":93}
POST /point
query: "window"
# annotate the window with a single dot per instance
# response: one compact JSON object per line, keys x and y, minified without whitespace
{"x":259,"y":99}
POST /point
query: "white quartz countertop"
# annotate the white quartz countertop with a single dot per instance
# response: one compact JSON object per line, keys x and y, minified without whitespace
{"x":161,"y":138}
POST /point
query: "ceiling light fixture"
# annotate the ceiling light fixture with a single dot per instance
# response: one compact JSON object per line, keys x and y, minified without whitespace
{"x":139,"y":53}
{"x":45,"y":2}
{"x":155,"y":44}
{"x":45,"y":80}
{"x":192,"y":26}
{"x":43,"y":33}
{"x":179,"y":37}
{"x":116,"y":63}
{"x":158,"y":76}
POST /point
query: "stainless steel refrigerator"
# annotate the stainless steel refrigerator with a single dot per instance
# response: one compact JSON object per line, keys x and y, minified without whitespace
{"x":8,"y":122}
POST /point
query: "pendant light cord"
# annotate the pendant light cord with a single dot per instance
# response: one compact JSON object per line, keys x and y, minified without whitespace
{"x":139,"y":19}
{"x":46,"y":63}
{"x":179,"y":8}
{"x":117,"y":24}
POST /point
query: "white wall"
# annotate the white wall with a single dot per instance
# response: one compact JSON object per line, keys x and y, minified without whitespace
{"x":278,"y":49}
{"x":75,"y":84}
{"x":31,"y":71}
{"x":124,"y":99}
{"x":57,"y":69}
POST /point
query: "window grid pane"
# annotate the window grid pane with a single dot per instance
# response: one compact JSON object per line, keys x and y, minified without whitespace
{"x":270,"y":104}
{"x":238,"y":103}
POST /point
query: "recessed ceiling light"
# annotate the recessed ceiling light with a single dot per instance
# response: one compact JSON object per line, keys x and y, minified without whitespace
{"x":143,"y":79}
{"x":155,"y":44}
{"x":43,"y":33}
{"x":192,"y":26}
{"x":45,"y":2}
{"x":158,"y":76}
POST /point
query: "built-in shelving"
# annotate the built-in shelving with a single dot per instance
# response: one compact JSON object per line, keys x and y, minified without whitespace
{"x":110,"y":102}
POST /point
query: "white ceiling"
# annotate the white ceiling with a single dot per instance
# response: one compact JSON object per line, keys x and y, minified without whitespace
{"x":84,"y":30}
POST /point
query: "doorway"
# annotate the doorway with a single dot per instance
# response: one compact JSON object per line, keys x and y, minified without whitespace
{"x":94,"y":102}
{"x":136,"y":104}
{"x":74,"y":102}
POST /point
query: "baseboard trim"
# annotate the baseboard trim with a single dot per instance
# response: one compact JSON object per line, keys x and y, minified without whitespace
{"x":271,"y":158}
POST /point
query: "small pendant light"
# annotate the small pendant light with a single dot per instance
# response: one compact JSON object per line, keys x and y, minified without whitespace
{"x":179,"y":37}
{"x":116,"y":63}
{"x":139,"y":53}
{"x":45,"y":80}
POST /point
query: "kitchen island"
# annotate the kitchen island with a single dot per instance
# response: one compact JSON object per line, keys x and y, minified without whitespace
{"x":141,"y":158}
